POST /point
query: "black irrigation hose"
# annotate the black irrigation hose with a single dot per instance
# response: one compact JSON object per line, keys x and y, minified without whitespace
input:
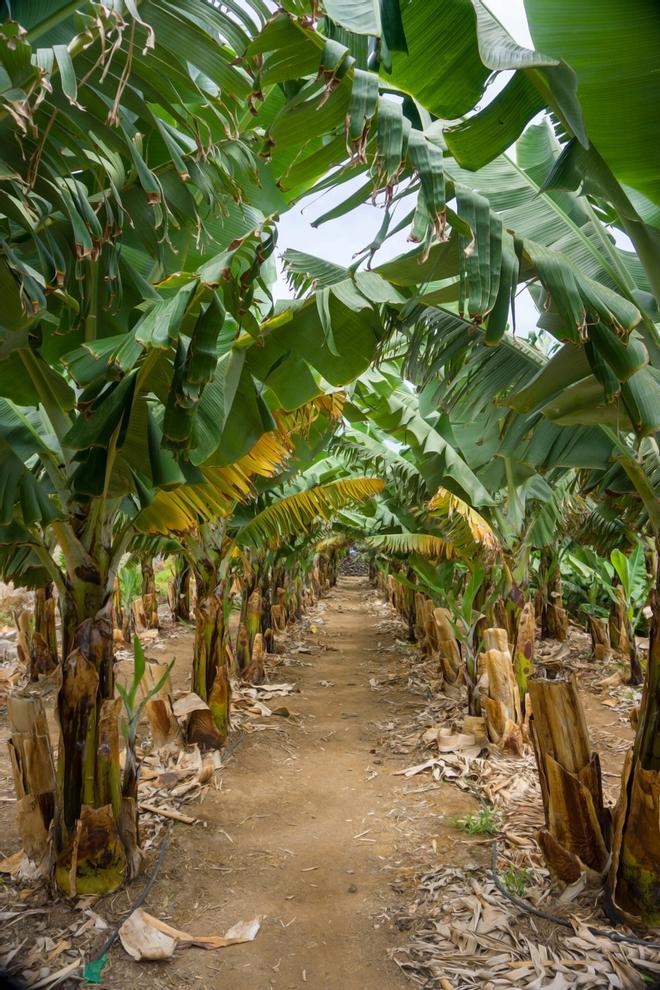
{"x":112,"y":938}
{"x":530,"y":909}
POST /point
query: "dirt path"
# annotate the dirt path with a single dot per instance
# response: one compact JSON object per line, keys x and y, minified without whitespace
{"x":303,"y":831}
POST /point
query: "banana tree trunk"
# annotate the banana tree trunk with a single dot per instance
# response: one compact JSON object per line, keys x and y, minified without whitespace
{"x":95,"y":835}
{"x":334,"y":567}
{"x":636,"y":673}
{"x":31,"y":759}
{"x":242,"y":651}
{"x":575,"y":839}
{"x":482,"y":604}
{"x":140,"y":621}
{"x":117,"y":609}
{"x":255,"y":673}
{"x":553,"y":618}
{"x":253,"y":670}
{"x":247,"y":585}
{"x":600,"y":637}
{"x":412,"y":617}
{"x":634,"y":879}
{"x":500,"y":702}
{"x":523,"y":654}
{"x":315,"y":577}
{"x":449,"y":653}
{"x":297,"y":607}
{"x":210,"y":678}
{"x":44,"y":637}
{"x":425,"y":626}
{"x":618,"y":624}
{"x":282,"y":601}
{"x":37,"y":640}
{"x":129,"y":625}
{"x":266,"y":617}
{"x":507,"y":608}
{"x":622,"y":636}
{"x":253,"y":615}
{"x":180,"y":592}
{"x":149,"y":594}
{"x":471,"y":680}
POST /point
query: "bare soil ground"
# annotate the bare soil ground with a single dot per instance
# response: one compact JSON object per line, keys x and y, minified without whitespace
{"x":303,"y":832}
{"x":308,"y":826}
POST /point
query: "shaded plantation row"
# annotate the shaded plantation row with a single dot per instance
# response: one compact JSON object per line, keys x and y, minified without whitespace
{"x":495,"y":665}
{"x":104,"y":849}
{"x":156,"y":398}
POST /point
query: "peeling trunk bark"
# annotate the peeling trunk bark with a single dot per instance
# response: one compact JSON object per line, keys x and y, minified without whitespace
{"x":523,"y":654}
{"x":448,"y":648}
{"x":575,"y":839}
{"x":149,"y":595}
{"x":266,"y":619}
{"x":508,"y":609}
{"x":622,"y":636}
{"x":242,"y":650}
{"x":34,"y":773}
{"x":179,"y":593}
{"x":210,"y":672}
{"x":139,"y":618}
{"x":600,"y":637}
{"x":634,"y":880}
{"x":165,"y":730}
{"x":278,"y":618}
{"x":95,"y":832}
{"x":37,"y":639}
{"x":500,"y":701}
{"x":253,"y":616}
{"x":44,"y":638}
{"x":255,"y":672}
{"x":618,"y":624}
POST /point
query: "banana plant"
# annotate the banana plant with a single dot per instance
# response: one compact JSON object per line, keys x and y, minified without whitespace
{"x":628,"y":596}
{"x":467,"y":611}
{"x":135,"y":283}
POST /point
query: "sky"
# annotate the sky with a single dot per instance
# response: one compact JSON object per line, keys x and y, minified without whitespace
{"x":339,"y":239}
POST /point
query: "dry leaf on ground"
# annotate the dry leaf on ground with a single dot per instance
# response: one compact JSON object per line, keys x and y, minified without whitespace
{"x":146,"y":937}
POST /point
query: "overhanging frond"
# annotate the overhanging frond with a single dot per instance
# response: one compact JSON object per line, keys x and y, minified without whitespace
{"x":425,"y":544}
{"x":183,"y":508}
{"x":464,"y":526}
{"x":296,"y":513}
{"x":300,"y":420}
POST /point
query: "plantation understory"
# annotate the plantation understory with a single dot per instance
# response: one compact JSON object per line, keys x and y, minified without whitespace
{"x":330,"y":494}
{"x":341,"y":817}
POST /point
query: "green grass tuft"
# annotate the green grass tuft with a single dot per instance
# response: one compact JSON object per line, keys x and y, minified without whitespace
{"x":485,"y":823}
{"x":516,"y":880}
